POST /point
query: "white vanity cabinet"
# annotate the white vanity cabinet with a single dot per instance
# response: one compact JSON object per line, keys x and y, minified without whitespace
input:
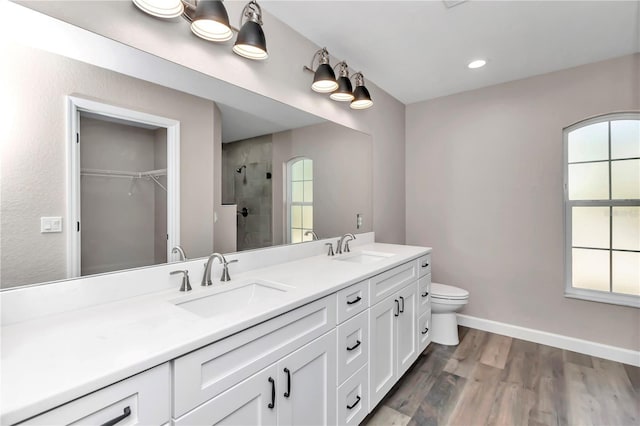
{"x":327,"y":362}
{"x":307,"y":386}
{"x":142,"y":399}
{"x":298,"y":389}
{"x":300,"y":345}
{"x":393,"y":338}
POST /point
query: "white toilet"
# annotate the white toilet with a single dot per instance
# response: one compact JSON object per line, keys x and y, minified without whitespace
{"x":446,"y":300}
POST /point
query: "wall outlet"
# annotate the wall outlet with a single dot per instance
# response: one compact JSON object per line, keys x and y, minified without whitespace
{"x":358,"y":221}
{"x":50,"y":224}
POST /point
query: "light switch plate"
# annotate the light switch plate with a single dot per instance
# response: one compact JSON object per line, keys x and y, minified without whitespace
{"x":50,"y":224}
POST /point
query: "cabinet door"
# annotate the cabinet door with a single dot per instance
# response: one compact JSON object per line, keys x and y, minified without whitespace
{"x":406,"y":322}
{"x":307,"y":384}
{"x":382,"y":349}
{"x":250,"y":402}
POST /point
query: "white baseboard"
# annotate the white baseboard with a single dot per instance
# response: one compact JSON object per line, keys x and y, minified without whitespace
{"x":613,"y":353}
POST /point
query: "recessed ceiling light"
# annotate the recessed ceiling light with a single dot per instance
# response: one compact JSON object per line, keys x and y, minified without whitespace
{"x":477,"y":63}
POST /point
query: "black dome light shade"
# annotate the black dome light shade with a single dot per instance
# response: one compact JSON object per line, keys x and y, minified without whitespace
{"x":251,"y":42}
{"x":344,"y":91}
{"x":211,"y":21}
{"x":361,"y":96}
{"x":324,"y":80}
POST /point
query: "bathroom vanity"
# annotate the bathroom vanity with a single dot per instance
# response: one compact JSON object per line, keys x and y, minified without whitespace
{"x":313,"y":340}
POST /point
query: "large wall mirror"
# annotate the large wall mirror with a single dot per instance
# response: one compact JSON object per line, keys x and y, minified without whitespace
{"x":242,"y":181}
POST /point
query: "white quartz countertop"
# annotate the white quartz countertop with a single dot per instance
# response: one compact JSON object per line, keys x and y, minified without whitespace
{"x":51,"y":360}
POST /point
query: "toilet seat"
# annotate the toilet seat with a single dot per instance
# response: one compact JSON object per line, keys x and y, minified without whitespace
{"x":448,"y":292}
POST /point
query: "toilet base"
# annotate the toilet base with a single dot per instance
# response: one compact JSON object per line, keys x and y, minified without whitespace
{"x":444,"y":329}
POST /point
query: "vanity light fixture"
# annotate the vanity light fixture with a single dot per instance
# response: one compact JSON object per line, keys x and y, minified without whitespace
{"x":361,"y":96}
{"x":161,"y":8}
{"x":324,"y":79}
{"x":251,"y":42}
{"x":210,"y":21}
{"x":344,"y":92}
{"x":478,"y":63}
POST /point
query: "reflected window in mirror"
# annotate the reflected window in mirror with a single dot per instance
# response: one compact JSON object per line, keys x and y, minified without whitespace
{"x":300,"y":199}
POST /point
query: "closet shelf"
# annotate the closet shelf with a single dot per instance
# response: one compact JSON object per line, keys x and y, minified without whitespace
{"x":151,"y":174}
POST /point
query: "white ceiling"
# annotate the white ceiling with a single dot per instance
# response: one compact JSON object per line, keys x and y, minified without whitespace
{"x":418,"y":50}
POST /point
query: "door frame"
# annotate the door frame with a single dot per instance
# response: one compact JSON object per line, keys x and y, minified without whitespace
{"x":76,"y":105}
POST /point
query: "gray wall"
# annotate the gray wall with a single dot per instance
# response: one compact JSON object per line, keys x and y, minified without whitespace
{"x":33,"y":155}
{"x":484,"y":189}
{"x":280,"y":78}
{"x":342,"y":170}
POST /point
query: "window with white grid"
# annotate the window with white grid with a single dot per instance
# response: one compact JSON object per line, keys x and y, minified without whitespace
{"x":602,"y":209}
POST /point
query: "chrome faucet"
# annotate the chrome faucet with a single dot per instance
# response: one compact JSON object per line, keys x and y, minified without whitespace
{"x":344,"y":240}
{"x":313,"y":234}
{"x":186,"y":284}
{"x":206,"y":278}
{"x":180,"y":251}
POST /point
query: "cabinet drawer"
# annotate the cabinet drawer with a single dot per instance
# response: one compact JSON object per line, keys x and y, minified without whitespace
{"x":392,"y":280}
{"x":144,"y":396}
{"x":353,"y":345}
{"x":352,"y":300}
{"x":353,"y":398}
{"x":203,"y":374}
{"x":424,"y":298}
{"x":424,"y":331}
{"x":424,"y":264}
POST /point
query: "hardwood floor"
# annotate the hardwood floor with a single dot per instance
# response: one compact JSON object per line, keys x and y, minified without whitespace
{"x":490,"y":379}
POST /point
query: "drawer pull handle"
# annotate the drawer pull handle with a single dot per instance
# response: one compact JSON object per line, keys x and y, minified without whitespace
{"x":358,"y":342}
{"x":402,"y":310}
{"x":288,"y":392}
{"x":350,"y":407}
{"x":425,"y":264}
{"x":426,"y":330}
{"x":127,"y":413}
{"x":397,"y":311}
{"x":425,"y":294}
{"x":356,"y":300}
{"x":273,"y":393}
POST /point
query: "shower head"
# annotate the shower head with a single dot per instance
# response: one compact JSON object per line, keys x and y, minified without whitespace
{"x":239,"y":169}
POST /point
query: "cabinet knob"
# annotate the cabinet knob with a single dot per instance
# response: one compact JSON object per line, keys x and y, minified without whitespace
{"x":425,"y":264}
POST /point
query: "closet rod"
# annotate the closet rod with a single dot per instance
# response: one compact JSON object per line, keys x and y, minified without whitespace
{"x":118,"y":173}
{"x":151,"y":174}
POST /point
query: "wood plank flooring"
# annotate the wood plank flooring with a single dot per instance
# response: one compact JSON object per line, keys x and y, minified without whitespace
{"x":490,"y":379}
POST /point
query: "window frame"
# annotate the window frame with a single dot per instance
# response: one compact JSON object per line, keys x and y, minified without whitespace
{"x":289,"y":197}
{"x":579,"y":293}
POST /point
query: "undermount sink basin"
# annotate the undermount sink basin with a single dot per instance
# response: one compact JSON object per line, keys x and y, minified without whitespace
{"x":365,"y":257}
{"x":234,"y":299}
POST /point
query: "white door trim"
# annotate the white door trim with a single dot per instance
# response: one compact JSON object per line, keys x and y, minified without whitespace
{"x":77,"y":104}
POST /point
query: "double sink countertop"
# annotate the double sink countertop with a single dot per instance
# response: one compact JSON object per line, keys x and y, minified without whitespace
{"x":51,"y":360}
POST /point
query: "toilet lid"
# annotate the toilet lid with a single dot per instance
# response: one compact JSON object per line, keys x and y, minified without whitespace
{"x":444,"y":291}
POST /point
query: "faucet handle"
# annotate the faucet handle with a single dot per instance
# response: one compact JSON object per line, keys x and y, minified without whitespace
{"x":330,"y":253}
{"x":225,"y":270}
{"x":186,"y":284}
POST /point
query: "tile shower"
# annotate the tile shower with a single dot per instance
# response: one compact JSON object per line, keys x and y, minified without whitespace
{"x":246,"y":182}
